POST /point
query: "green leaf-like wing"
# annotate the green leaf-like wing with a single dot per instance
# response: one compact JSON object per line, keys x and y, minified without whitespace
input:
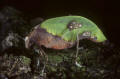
{"x":59,"y":27}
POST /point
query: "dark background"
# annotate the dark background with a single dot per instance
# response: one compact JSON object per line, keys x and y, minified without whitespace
{"x":104,"y":13}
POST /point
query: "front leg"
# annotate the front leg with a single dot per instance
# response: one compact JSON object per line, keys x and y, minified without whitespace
{"x":39,"y":61}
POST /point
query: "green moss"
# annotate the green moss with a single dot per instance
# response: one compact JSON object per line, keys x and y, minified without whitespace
{"x":25,"y":60}
{"x":57,"y":57}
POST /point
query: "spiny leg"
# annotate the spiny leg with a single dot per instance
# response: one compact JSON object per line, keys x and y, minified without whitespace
{"x":77,"y":51}
{"x":77,"y":47}
{"x":41,"y":57}
{"x":44,"y":54}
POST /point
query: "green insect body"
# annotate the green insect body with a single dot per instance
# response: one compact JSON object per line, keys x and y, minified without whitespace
{"x":68,"y":27}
